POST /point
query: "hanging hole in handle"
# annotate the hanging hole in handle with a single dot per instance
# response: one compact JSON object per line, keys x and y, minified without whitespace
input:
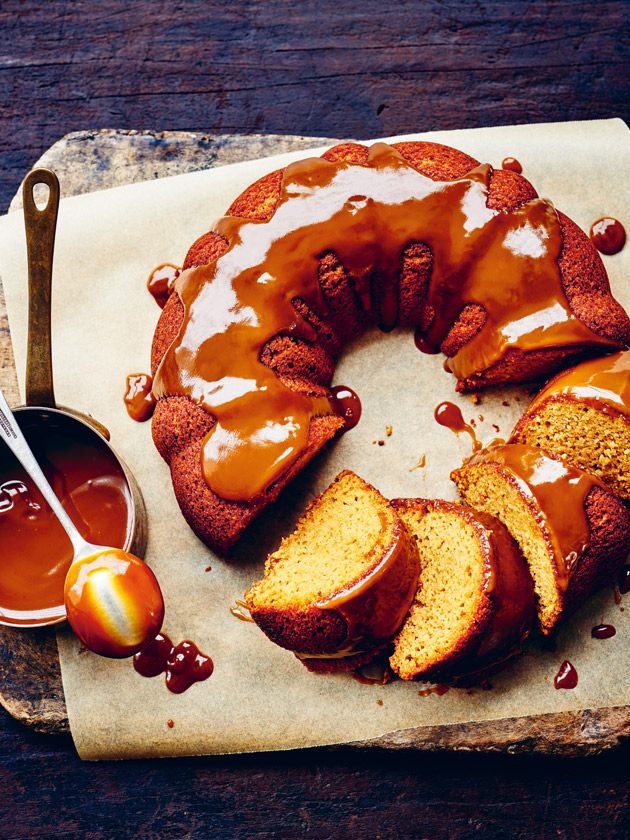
{"x":41,"y":195}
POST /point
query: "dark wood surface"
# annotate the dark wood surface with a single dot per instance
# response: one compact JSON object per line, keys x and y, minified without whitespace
{"x":321,"y":69}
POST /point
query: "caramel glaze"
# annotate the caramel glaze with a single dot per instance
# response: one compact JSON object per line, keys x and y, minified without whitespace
{"x":35,"y":552}
{"x":161,"y":281}
{"x":559,"y":490}
{"x":183,"y":664}
{"x":511,"y":589}
{"x":603,"y":631}
{"x":624,"y":580}
{"x":512,"y":164}
{"x":375,"y":606}
{"x":448,"y":414}
{"x":566,"y":677}
{"x":608,"y":235}
{"x":366,"y":214}
{"x":603,"y":383}
{"x":139,"y":399}
{"x":347,"y":404}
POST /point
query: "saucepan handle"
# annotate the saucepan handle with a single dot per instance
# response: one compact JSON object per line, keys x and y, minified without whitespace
{"x":40,"y":243}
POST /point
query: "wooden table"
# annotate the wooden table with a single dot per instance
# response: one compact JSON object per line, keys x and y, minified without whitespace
{"x":324,"y":69}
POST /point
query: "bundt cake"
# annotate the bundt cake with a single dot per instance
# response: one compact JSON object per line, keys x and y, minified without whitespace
{"x":474,"y":605}
{"x":583,"y":415}
{"x":415,"y":234}
{"x":340,"y":585}
{"x":573,"y":530}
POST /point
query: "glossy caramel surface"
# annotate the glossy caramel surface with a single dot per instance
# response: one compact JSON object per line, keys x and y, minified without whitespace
{"x":35,"y":552}
{"x":603,"y":383}
{"x":559,"y":490}
{"x":366,"y":214}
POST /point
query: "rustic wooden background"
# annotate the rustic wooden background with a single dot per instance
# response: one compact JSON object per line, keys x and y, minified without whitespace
{"x":323,"y":69}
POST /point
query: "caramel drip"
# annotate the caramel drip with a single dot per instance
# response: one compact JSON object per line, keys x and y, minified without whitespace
{"x":603,"y":383}
{"x":184,"y":664}
{"x":241,"y":611}
{"x":139,"y":399}
{"x":436,"y":689}
{"x":347,"y":405}
{"x":449,"y":415}
{"x":566,"y":677}
{"x":366,"y":214}
{"x":512,"y":164}
{"x":375,"y":606}
{"x":560,"y":490}
{"x":161,"y":281}
{"x":608,"y":235}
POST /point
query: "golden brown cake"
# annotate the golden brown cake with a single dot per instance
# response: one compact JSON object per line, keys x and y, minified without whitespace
{"x":415,"y":234}
{"x":475,"y":601}
{"x":583,"y":415}
{"x":572,"y":529}
{"x":338,"y":587}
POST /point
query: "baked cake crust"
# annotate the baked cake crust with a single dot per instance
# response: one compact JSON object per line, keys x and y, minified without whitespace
{"x":307,"y":365}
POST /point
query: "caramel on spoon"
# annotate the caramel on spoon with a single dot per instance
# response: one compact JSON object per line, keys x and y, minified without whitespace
{"x":113,"y":600}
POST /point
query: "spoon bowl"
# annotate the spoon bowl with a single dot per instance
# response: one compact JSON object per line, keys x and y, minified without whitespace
{"x":113,"y":601}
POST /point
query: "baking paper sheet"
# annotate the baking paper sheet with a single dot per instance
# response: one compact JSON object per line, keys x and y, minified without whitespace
{"x":260,"y":697}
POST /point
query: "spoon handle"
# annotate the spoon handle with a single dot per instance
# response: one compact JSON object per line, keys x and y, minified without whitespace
{"x":12,"y":434}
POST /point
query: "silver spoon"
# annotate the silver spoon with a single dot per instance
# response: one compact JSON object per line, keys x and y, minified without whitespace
{"x":113,"y":600}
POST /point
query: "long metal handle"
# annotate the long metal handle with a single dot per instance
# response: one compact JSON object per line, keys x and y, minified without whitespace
{"x":40,"y":243}
{"x":12,"y":434}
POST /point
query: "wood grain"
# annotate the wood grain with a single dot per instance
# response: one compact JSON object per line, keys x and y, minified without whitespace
{"x":325,"y":69}
{"x":30,"y":678}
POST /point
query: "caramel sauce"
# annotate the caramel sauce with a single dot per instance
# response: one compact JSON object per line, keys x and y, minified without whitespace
{"x":183,"y":664}
{"x":512,"y":164}
{"x":366,"y":214}
{"x":448,"y":414}
{"x":560,"y":490}
{"x":425,"y":346}
{"x":608,"y":235}
{"x":603,"y":383}
{"x":91,"y":585}
{"x":241,"y":611}
{"x":603,"y":631}
{"x":421,"y":463}
{"x":624,"y":580}
{"x":347,"y":404}
{"x":161,"y":281}
{"x":35,"y":551}
{"x":566,"y":677}
{"x":436,"y":689}
{"x":139,"y":399}
{"x":375,"y":606}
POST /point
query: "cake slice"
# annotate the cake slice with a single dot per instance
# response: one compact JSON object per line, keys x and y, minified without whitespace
{"x":474,"y":605}
{"x":340,"y":585}
{"x":573,"y":530}
{"x":583,"y":415}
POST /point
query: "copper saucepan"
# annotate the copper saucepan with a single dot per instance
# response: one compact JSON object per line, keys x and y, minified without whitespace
{"x":41,"y":416}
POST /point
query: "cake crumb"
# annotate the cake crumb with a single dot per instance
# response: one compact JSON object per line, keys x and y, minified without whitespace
{"x":476,"y":399}
{"x":170,"y":723}
{"x":388,"y":431}
{"x":379,"y":702}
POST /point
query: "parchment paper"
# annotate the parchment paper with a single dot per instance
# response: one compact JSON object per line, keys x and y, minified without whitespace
{"x":260,"y":697}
